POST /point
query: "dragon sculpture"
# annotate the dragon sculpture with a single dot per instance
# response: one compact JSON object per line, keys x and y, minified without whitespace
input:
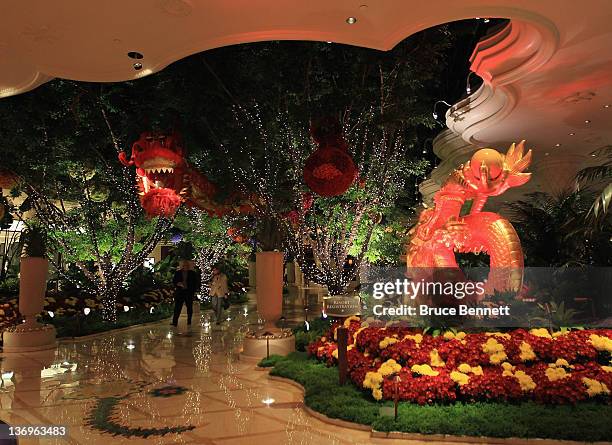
{"x":166,"y":180}
{"x":442,"y":231}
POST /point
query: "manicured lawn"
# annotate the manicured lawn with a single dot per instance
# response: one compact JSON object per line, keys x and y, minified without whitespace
{"x":584,"y":422}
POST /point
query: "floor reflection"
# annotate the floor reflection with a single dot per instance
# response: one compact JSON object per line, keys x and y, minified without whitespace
{"x":157,"y":378}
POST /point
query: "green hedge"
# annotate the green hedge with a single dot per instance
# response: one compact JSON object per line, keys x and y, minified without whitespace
{"x":77,"y":326}
{"x":583,"y":422}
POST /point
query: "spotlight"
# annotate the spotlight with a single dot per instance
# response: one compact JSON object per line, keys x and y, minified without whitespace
{"x":86,"y":311}
{"x":351,"y":20}
{"x":307,"y":325}
{"x":268,"y":401}
{"x":434,"y":114}
{"x":151,"y":311}
{"x":126,"y":308}
{"x":137,"y":66}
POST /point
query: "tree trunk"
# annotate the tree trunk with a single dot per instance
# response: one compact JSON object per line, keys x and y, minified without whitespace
{"x":109,"y":301}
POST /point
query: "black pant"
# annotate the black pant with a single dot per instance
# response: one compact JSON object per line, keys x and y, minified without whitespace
{"x":179,"y":299}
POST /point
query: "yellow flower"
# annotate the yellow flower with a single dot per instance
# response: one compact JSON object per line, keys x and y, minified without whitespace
{"x":607,"y":368}
{"x":377,"y":394}
{"x":435,"y":359}
{"x":449,"y":335}
{"x":389,"y":367}
{"x":465,"y":368}
{"x":372,"y":380}
{"x":357,"y":333}
{"x":559,"y":333}
{"x":526,"y":382}
{"x":460,"y":335}
{"x":594,"y":388}
{"x":540,"y":332}
{"x":418,"y":338}
{"x":601,"y":343}
{"x":347,"y":322}
{"x":495,"y":351}
{"x":424,"y":370}
{"x":554,"y":373}
{"x":562,"y":362}
{"x":387,"y":341}
{"x":459,"y":377}
{"x":526,"y":352}
{"x":335,"y":353}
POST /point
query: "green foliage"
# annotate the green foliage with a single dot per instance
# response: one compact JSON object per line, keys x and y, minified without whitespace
{"x":553,"y":232}
{"x":269,"y":362}
{"x":9,"y":286}
{"x":583,"y":422}
{"x":317,"y":328}
{"x":77,"y":326}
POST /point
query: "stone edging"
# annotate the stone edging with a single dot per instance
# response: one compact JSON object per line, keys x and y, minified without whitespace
{"x":428,"y":437}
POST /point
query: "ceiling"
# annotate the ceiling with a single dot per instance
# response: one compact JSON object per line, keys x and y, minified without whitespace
{"x":545,"y":75}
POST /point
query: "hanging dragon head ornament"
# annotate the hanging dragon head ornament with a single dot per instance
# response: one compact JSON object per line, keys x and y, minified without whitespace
{"x":443,"y":231}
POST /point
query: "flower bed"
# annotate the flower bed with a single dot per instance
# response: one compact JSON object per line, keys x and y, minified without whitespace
{"x":565,"y":367}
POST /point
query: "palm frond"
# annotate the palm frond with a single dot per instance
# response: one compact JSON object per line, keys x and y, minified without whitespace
{"x":602,"y":202}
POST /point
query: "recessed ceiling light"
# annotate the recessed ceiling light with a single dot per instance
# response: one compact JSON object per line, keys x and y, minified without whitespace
{"x":546,"y":154}
{"x":607,"y":106}
{"x":135,"y":55}
{"x":572,"y":133}
{"x":268,"y":401}
{"x":587,"y":121}
{"x":138,"y":66}
{"x":351,"y":20}
{"x":593,"y":154}
{"x":557,"y":145}
{"x":486,"y":20}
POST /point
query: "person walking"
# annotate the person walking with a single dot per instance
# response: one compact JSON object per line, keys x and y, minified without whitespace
{"x":185,"y":286}
{"x":218,"y":292}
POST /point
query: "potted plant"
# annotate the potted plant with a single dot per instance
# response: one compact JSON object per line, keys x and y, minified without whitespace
{"x":34,"y":268}
{"x":269,"y":272}
{"x":33,"y":275}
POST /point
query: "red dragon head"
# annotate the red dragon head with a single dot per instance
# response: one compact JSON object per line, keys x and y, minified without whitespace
{"x":160,"y":166}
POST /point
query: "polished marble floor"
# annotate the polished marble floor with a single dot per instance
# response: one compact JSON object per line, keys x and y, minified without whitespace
{"x":152,"y":377}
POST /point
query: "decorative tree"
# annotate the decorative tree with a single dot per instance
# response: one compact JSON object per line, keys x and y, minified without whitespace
{"x":322,"y":238}
{"x":97,"y":225}
{"x":322,"y":234}
{"x":75,"y":186}
{"x":210,"y":240}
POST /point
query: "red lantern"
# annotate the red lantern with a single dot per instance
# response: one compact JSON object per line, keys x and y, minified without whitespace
{"x":329,"y":171}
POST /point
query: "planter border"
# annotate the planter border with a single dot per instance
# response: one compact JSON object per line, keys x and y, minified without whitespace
{"x":427,"y":437}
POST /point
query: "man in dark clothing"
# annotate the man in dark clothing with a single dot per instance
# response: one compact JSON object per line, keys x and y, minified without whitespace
{"x":185,"y":286}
